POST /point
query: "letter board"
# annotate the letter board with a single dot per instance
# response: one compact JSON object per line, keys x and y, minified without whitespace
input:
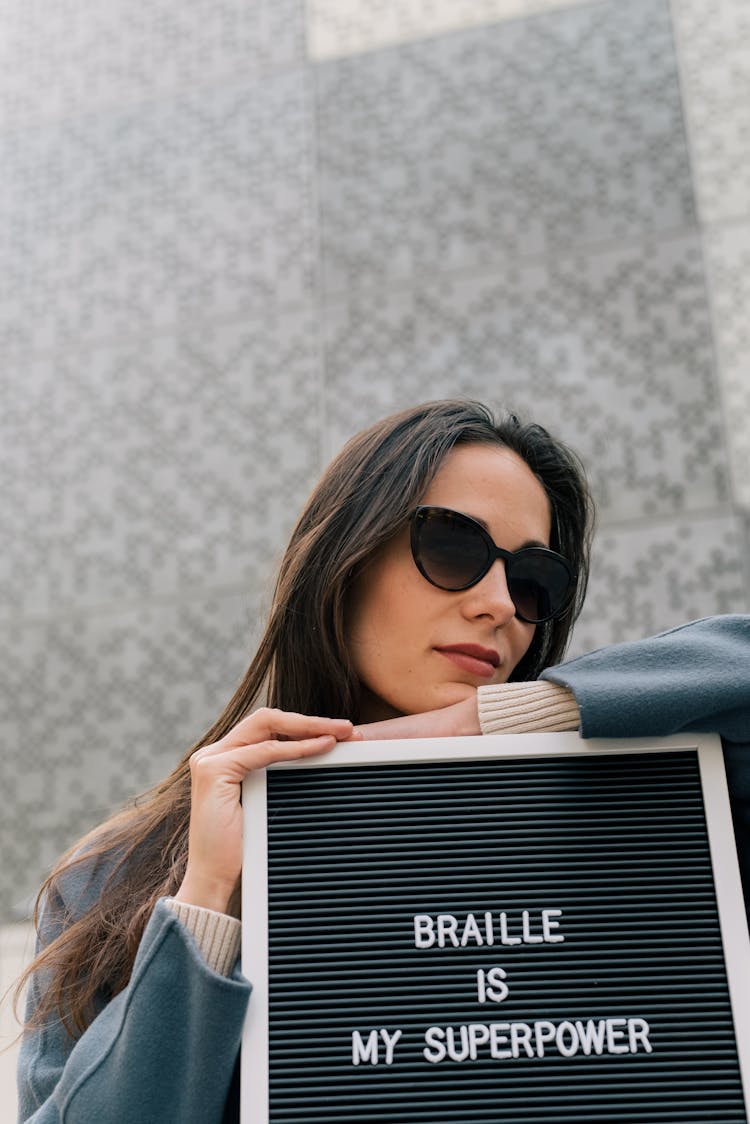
{"x":506,"y":929}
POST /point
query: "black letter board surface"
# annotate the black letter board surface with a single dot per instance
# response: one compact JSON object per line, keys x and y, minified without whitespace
{"x":517,"y":930}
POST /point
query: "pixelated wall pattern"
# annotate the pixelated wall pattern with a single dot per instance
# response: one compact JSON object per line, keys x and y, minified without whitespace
{"x":125,"y":222}
{"x":714,"y":52}
{"x":647,"y":577}
{"x":98,"y":706}
{"x":233,"y":233}
{"x":612,"y":348}
{"x":523,"y":138}
{"x":728,"y":260}
{"x":336,"y":28}
{"x":156,"y":466}
{"x":59,"y":58}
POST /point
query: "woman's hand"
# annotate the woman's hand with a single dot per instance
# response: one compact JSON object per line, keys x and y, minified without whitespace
{"x":217,"y":771}
{"x":450,"y":721}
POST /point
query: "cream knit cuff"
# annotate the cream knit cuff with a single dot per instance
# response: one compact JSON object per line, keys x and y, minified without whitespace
{"x":521,"y":708}
{"x":217,"y":935}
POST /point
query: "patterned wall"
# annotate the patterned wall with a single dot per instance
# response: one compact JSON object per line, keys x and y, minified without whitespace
{"x":232,"y":233}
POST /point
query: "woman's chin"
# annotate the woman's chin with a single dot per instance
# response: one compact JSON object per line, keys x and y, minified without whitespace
{"x":454,"y":693}
{"x":446,"y":694}
{"x":436,"y":697}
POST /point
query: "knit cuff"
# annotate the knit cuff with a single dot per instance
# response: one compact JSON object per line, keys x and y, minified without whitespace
{"x":521,"y":708}
{"x":217,"y":935}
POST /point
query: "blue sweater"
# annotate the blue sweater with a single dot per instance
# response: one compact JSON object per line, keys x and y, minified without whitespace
{"x":695,"y":677}
{"x":166,"y":1048}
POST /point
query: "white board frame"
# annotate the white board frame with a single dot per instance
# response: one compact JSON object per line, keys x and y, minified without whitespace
{"x":725,"y":866}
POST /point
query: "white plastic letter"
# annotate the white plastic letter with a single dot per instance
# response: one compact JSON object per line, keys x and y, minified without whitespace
{"x":520,"y":1035}
{"x":389,"y":1041}
{"x":499,"y":1039}
{"x":543,"y":1032}
{"x":447,"y":925}
{"x":613,"y":1046}
{"x":479,"y":1035}
{"x":591,"y":1035}
{"x":548,"y":924}
{"x":497,"y":989}
{"x":528,"y":936}
{"x":638,"y":1030}
{"x":567,"y":1049}
{"x":491,"y":985}
{"x":457,"y":1051}
{"x":504,"y":937}
{"x":424,"y":931}
{"x":471,"y":931}
{"x":365,"y":1052}
{"x":434,"y":1051}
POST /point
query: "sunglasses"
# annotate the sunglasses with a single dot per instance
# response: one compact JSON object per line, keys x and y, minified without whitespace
{"x":454,"y":552}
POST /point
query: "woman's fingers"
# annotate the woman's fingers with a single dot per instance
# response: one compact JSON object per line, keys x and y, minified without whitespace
{"x":215,"y":840}
{"x":235,"y":761}
{"x":266,"y":736}
{"x":269,"y":724}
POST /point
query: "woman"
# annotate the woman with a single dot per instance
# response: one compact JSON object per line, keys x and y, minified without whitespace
{"x":392,"y":612}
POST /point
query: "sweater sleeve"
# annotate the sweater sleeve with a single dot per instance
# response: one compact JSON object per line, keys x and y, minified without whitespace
{"x":692,"y":678}
{"x":217,"y":935}
{"x":695,"y":677}
{"x":521,"y":708}
{"x":163,"y":1049}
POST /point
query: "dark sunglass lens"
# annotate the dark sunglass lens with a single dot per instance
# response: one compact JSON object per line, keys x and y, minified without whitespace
{"x":539,"y":585}
{"x":452,"y":553}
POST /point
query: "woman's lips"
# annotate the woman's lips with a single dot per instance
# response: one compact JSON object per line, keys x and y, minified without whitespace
{"x":482,"y":668}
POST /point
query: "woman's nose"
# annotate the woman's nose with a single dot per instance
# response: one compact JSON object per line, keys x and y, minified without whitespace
{"x":491,"y":596}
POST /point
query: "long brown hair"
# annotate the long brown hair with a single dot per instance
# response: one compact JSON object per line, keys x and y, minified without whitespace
{"x":365,"y":497}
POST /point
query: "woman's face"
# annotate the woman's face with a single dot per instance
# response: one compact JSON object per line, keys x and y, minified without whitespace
{"x":400,"y":626}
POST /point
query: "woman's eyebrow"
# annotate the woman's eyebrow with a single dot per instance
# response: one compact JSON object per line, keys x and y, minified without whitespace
{"x":483,"y":523}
